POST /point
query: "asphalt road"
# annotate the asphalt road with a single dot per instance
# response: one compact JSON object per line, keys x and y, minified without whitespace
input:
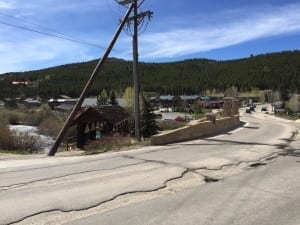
{"x":240,"y":177}
{"x":268,"y":195}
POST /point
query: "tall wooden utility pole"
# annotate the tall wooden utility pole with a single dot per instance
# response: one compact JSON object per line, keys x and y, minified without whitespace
{"x":136,"y":20}
{"x":135,"y":72}
{"x":89,"y":84}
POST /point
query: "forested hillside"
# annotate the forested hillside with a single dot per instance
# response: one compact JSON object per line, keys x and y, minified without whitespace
{"x":277,"y":71}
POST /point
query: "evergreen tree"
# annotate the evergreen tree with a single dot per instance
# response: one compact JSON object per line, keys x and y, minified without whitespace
{"x":113,"y":99}
{"x":148,"y":122}
{"x":102,"y":98}
{"x":273,"y":71}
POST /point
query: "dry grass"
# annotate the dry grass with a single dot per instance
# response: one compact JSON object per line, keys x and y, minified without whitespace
{"x":115,"y":143}
{"x":50,"y":127}
{"x":18,"y":142}
{"x":49,"y":124}
{"x":6,"y":138}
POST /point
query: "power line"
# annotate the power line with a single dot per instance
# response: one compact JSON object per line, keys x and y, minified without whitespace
{"x":52,"y":35}
{"x":38,"y":26}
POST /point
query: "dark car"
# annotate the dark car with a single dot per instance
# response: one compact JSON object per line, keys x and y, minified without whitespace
{"x":248,"y":110}
{"x":264,"y":109}
{"x":252,"y":108}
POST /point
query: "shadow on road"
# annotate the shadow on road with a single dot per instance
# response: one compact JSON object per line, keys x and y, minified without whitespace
{"x":285,"y":146}
{"x":248,"y":127}
{"x":230,"y":142}
{"x":291,"y":152}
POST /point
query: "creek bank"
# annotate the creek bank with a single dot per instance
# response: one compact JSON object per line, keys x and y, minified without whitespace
{"x":41,"y":142}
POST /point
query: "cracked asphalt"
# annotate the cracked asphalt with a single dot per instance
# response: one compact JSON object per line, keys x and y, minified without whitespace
{"x":66,"y":190}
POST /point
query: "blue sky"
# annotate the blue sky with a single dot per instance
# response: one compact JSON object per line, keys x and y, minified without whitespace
{"x":180,"y":29}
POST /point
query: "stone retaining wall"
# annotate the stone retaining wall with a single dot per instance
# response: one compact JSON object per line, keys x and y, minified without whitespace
{"x":196,"y":130}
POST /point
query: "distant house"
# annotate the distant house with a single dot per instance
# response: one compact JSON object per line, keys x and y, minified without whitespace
{"x":64,"y":97}
{"x":25,"y":103}
{"x":55,"y":102}
{"x":277,"y":105}
{"x":279,"y":111}
{"x":211,"y":102}
{"x":166,"y":101}
{"x":190,"y":99}
{"x":163,"y":101}
{"x":171,"y":101}
{"x":89,"y":102}
{"x":32,"y":103}
{"x":104,"y":120}
{"x":64,"y":109}
{"x":217,"y":104}
{"x":185,"y":102}
{"x":216,"y":96}
{"x":25,"y":83}
{"x":65,"y":104}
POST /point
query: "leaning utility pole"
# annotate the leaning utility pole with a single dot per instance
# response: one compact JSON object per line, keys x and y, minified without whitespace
{"x":89,"y":84}
{"x":136,"y":19}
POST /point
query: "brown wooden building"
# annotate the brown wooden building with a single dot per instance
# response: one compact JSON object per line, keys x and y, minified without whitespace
{"x":95,"y":122}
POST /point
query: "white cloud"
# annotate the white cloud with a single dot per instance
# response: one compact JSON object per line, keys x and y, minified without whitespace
{"x":22,"y":50}
{"x":40,"y":52}
{"x":50,"y":6}
{"x":246,"y":27}
{"x":197,"y":33}
{"x":5,"y":4}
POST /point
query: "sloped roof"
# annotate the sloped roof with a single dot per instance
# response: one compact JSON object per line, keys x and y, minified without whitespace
{"x":189,"y":97}
{"x":166,"y":97}
{"x":205,"y":98}
{"x":113,"y":113}
{"x":89,"y":102}
{"x":109,"y":113}
{"x":64,"y":107}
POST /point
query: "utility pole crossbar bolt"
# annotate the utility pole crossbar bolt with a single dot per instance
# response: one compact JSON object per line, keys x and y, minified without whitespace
{"x":142,"y":15}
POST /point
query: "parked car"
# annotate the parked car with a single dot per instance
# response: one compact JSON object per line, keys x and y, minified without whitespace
{"x":248,"y":110}
{"x":252,"y":108}
{"x":188,"y":117}
{"x":179,"y":119}
{"x":264,"y":109}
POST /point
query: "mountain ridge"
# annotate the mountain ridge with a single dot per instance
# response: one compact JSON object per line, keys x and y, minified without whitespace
{"x":277,"y":71}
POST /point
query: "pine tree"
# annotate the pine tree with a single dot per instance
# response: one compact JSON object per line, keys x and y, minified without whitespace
{"x":148,"y":122}
{"x":102,"y":98}
{"x":113,"y":100}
